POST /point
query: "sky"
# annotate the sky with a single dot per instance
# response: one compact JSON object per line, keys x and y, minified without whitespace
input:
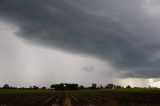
{"x":75,"y":41}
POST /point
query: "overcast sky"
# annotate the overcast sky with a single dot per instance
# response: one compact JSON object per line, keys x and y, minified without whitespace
{"x":79,"y":41}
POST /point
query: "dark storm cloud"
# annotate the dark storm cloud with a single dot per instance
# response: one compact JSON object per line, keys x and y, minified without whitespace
{"x":118,"y":31}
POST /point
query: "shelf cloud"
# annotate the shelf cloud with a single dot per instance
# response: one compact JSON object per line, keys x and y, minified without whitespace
{"x":123,"y":33}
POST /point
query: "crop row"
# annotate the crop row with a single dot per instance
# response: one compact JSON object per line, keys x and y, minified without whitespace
{"x":80,"y":98}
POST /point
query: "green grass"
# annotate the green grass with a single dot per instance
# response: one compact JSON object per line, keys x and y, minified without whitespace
{"x":134,"y":90}
{"x":26,"y":91}
{"x":85,"y":90}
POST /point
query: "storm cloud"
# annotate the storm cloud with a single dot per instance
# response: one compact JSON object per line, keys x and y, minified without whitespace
{"x":124,"y":33}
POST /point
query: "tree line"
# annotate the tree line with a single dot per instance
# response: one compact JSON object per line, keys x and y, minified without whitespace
{"x":68,"y":86}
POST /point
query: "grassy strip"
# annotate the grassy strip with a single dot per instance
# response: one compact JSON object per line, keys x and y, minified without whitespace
{"x":147,"y":90}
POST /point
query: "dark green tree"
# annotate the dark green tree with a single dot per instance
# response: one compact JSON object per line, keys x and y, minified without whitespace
{"x":128,"y":86}
{"x":6,"y":86}
{"x":101,"y":86}
{"x":110,"y":86}
{"x":94,"y":86}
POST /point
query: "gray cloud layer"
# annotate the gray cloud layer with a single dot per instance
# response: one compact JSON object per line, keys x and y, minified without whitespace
{"x":123,"y":32}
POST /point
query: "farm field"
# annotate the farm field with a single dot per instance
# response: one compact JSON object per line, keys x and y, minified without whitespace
{"x":105,"y":97}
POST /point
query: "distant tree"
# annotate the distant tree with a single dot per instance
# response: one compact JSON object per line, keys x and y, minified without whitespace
{"x":117,"y":86}
{"x":35,"y":87}
{"x":65,"y":86}
{"x":52,"y":86}
{"x":94,"y":86}
{"x":128,"y":86}
{"x":81,"y":87}
{"x":44,"y":87}
{"x":71,"y":86}
{"x":58,"y":86}
{"x":110,"y":86}
{"x":6,"y":86}
{"x":101,"y":86}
